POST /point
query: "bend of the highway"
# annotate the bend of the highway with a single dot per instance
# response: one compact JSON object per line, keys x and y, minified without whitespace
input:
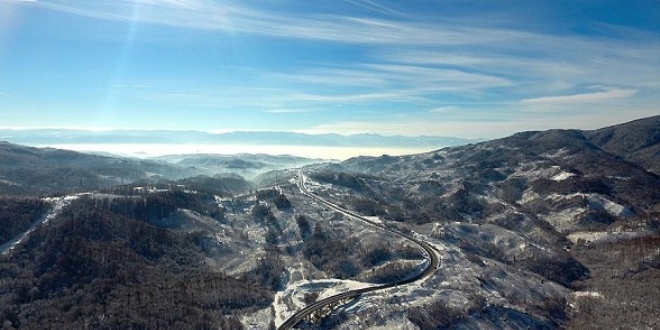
{"x":310,"y":309}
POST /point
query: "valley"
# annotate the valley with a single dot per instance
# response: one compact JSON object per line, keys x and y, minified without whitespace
{"x":543,"y":230}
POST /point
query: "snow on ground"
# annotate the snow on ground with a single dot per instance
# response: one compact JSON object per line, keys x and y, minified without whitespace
{"x":600,"y":202}
{"x":537,"y":169}
{"x":339,"y":286}
{"x":593,"y":294}
{"x":562,"y":176}
{"x":561,"y":153}
{"x":573,"y":297}
{"x":596,"y":202}
{"x":255,"y":321}
{"x":528,"y":196}
{"x":291,"y":299}
{"x":374,"y":219}
{"x":564,"y":220}
{"x":58,"y":204}
{"x":10,"y":183}
{"x":457,"y":283}
{"x":606,"y":237}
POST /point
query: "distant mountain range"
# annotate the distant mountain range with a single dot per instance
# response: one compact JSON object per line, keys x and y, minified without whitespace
{"x":63,"y":136}
{"x":29,"y":170}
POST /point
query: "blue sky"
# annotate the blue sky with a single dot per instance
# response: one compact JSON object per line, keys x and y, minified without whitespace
{"x":455,"y":68}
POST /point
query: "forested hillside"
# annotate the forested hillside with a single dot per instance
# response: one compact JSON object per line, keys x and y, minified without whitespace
{"x":104,"y":263}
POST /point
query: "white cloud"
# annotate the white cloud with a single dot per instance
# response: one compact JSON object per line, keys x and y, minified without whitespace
{"x":465,"y":45}
{"x":374,"y":6}
{"x":582,"y":98}
{"x":482,"y":128}
{"x":407,"y":60}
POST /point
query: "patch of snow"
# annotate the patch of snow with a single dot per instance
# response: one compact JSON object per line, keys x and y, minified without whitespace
{"x":257,"y":320}
{"x":612,"y":208}
{"x":594,"y":294}
{"x":341,"y":286}
{"x":597,"y":202}
{"x":291,"y":299}
{"x":528,"y":196}
{"x":9,"y":183}
{"x":562,"y":176}
{"x":565,"y":220}
{"x":606,"y":237}
{"x":558,"y":154}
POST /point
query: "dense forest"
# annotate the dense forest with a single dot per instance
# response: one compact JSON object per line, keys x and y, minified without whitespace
{"x":18,"y":213}
{"x":102,"y":264}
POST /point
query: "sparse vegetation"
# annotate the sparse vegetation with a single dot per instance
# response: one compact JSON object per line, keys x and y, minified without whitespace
{"x":439,"y":316}
{"x":623,"y":288}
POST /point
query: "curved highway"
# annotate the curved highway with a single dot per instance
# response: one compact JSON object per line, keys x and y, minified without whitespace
{"x":310,"y":309}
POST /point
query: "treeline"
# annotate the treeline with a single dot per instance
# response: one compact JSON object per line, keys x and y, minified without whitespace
{"x":342,"y":179}
{"x":147,"y":206}
{"x":100,"y":265}
{"x":61,"y":180}
{"x":217,"y":185}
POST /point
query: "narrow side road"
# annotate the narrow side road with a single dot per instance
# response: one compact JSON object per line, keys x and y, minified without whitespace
{"x":58,"y":204}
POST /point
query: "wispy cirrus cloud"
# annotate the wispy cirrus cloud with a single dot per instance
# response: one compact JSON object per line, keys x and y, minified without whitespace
{"x":463,"y":43}
{"x":247,"y":16}
{"x":375,"y":6}
{"x":582,"y":98}
{"x":481,"y":125}
{"x":389,"y":56}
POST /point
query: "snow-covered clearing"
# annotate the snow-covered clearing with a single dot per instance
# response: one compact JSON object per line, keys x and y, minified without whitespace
{"x":565,"y":220}
{"x":596,"y":202}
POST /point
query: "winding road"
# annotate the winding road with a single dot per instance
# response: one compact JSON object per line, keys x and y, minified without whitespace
{"x":318,"y":305}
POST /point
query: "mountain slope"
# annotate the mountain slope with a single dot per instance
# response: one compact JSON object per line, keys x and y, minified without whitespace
{"x":526,"y":201}
{"x":35,"y":170}
{"x":109,"y":262}
{"x":637,"y":141}
{"x":526,"y":227}
{"x":245,"y":165}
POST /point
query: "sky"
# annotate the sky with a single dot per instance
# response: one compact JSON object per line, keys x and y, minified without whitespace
{"x":475,"y":69}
